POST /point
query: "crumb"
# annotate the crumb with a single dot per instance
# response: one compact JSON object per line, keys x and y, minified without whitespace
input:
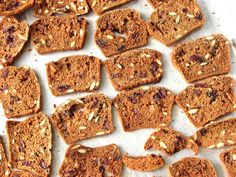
{"x":54,"y":105}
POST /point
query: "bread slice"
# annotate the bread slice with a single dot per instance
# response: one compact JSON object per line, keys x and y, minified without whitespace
{"x":86,"y":161}
{"x":23,"y":174}
{"x":144,"y":107}
{"x":228,"y":159}
{"x":208,"y":100}
{"x":120,"y":30}
{"x":175,"y":19}
{"x":83,"y":118}
{"x":30,"y":144}
{"x":58,"y":33}
{"x":19,"y":91}
{"x":14,"y":35}
{"x":4,"y":169}
{"x":202,"y":58}
{"x":149,"y":162}
{"x":134,"y":68}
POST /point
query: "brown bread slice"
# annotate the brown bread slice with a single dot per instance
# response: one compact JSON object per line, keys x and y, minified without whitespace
{"x":12,"y":7}
{"x":144,"y":107}
{"x":23,"y":174}
{"x":58,"y":33}
{"x":120,"y":30}
{"x":169,"y":141}
{"x":4,"y":169}
{"x":74,"y":74}
{"x":45,"y":8}
{"x":30,"y":144}
{"x":99,"y":7}
{"x":14,"y":35}
{"x":83,"y":118}
{"x":228,"y":159}
{"x":175,"y":19}
{"x":134,"y":68}
{"x":86,"y":161}
{"x":207,"y":100}
{"x":149,"y":162}
{"x":19,"y":91}
{"x":202,"y":58}
{"x":217,"y":134}
{"x":192,"y":167}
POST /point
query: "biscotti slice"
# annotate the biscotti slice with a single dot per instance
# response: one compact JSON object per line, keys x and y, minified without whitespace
{"x":134,"y":68}
{"x":86,"y":161}
{"x":12,"y":7}
{"x":120,"y":30}
{"x":169,"y":141}
{"x":217,"y":134}
{"x":149,"y":162}
{"x":99,"y":7}
{"x":228,"y":158}
{"x":74,"y":74}
{"x":23,"y":174}
{"x":30,"y":144}
{"x":14,"y":35}
{"x":192,"y":166}
{"x":45,"y":8}
{"x":172,"y":21}
{"x":207,"y":100}
{"x":4,"y":169}
{"x":58,"y":33}
{"x":202,"y":58}
{"x":144,"y":107}
{"x":83,"y":118}
{"x":19,"y":91}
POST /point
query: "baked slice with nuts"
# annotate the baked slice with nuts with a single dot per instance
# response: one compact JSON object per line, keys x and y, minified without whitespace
{"x":83,"y":118}
{"x":14,"y":35}
{"x":134,"y":68}
{"x":97,"y":161}
{"x":74,"y":74}
{"x":175,"y":19}
{"x":144,"y":107}
{"x":45,"y":8}
{"x":30,"y":144}
{"x":12,"y":7}
{"x":228,"y":159}
{"x":208,"y":99}
{"x":120,"y":30}
{"x":58,"y":33}
{"x":20,"y":93}
{"x":149,"y":162}
{"x":19,"y":173}
{"x":202,"y":58}
{"x":192,"y":166}
{"x":169,"y":141}
{"x":4,"y":169}
{"x":217,"y":134}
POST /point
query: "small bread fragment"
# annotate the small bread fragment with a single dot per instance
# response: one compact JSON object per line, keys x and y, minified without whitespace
{"x":134,"y":68}
{"x":207,"y":100}
{"x":144,"y":107}
{"x":202,"y":58}
{"x":45,"y":8}
{"x":120,"y":30}
{"x":83,"y":118}
{"x":14,"y":35}
{"x":217,"y":134}
{"x":149,"y":162}
{"x":4,"y":169}
{"x":74,"y":74}
{"x":23,"y":174}
{"x":30,"y":144}
{"x":228,"y":159}
{"x":12,"y":7}
{"x":86,"y":161}
{"x":192,"y":166}
{"x":175,"y":19}
{"x":169,"y":141}
{"x":20,"y":92}
{"x":58,"y":33}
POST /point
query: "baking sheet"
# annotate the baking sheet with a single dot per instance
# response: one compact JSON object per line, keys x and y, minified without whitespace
{"x":220,"y":17}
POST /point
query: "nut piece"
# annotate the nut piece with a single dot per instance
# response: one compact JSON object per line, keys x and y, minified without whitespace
{"x":163,"y":145}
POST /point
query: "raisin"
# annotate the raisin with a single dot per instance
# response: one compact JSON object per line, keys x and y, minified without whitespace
{"x":227,"y":158}
{"x":161,"y":94}
{"x":43,"y":165}
{"x":70,"y":173}
{"x":203,"y":85}
{"x":26,"y":163}
{"x":122,"y":48}
{"x":116,"y":158}
{"x":111,"y":26}
{"x":63,"y":88}
{"x":5,"y":73}
{"x":185,"y":10}
{"x":203,"y":131}
{"x":153,"y":67}
{"x":101,"y":43}
{"x":134,"y":98}
{"x":197,"y":92}
{"x":116,"y":75}
{"x":95,"y":104}
{"x":101,"y":169}
{"x":196,"y":58}
{"x":9,"y":40}
{"x":70,"y":112}
{"x":198,"y":16}
{"x":9,"y":30}
{"x":213,"y":95}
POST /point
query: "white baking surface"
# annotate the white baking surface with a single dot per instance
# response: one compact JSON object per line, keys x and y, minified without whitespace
{"x":220,"y":18}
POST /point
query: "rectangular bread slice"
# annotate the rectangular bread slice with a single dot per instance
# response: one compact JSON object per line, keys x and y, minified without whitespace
{"x":4,"y":169}
{"x":83,"y":118}
{"x":228,"y":159}
{"x":58,"y":33}
{"x":144,"y":107}
{"x":134,"y":68}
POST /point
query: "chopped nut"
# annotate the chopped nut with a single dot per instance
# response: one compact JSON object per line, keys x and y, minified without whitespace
{"x":165,"y":113}
{"x":92,"y":86}
{"x":222,"y":133}
{"x":145,"y":87}
{"x":72,"y":44}
{"x":82,"y":127}
{"x":153,"y":137}
{"x":100,"y":133}
{"x":110,"y":37}
{"x":230,"y":142}
{"x":148,"y":55}
{"x":67,"y":7}
{"x":70,"y":91}
{"x":80,"y":101}
{"x":213,"y":42}
{"x":119,"y":66}
{"x":163,"y":145}
{"x":220,"y":144}
{"x":96,"y":119}
{"x":195,"y":137}
{"x":177,"y":20}
{"x":212,"y":146}
{"x":73,"y":6}
{"x":82,"y":151}
{"x":81,"y":32}
{"x":91,"y":115}
{"x":207,"y":56}
{"x":234,"y":157}
{"x":178,"y":36}
{"x":94,"y":3}
{"x":172,"y":13}
{"x":209,"y":38}
{"x":204,"y":63}
{"x":190,"y":15}
{"x":159,"y":62}
{"x":199,"y":72}
{"x":193,"y":111}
